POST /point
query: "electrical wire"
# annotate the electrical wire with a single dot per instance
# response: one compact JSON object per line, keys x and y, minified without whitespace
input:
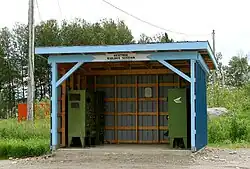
{"x":59,"y":7}
{"x":149,"y":23}
{"x":40,"y":17}
{"x":38,"y":10}
{"x":61,"y":18}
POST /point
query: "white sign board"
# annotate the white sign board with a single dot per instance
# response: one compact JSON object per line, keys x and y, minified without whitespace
{"x":121,"y":57}
{"x":148,"y":92}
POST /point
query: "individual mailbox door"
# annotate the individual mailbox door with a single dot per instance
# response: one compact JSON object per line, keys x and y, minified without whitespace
{"x":177,"y":109}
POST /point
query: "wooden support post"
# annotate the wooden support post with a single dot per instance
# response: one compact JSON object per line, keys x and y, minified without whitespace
{"x":136,"y":108}
{"x":95,"y":83}
{"x":75,"y":86}
{"x":63,"y":110}
{"x":157,"y":108}
{"x":59,"y":111}
{"x":78,"y":85}
{"x":115,"y":113}
{"x":71,"y":83}
{"x":179,"y":82}
{"x":83,"y":82}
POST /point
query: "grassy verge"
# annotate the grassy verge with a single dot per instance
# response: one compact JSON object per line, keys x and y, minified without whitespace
{"x":231,"y":130}
{"x":24,"y":139}
{"x":228,"y":131}
{"x":19,"y":148}
{"x":230,"y":146}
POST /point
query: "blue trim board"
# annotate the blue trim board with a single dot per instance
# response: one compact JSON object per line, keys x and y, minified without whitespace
{"x":70,"y":58}
{"x":183,"y":75}
{"x":160,"y":47}
{"x":211,"y":55}
{"x":193,"y":113}
{"x":201,"y":108}
{"x":203,"y":64}
{"x":66,"y":75}
{"x":174,"y":55}
{"x":54,"y":106}
{"x":153,"y":56}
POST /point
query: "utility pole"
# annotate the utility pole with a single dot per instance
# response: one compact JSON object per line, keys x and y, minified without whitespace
{"x":221,"y":71}
{"x":214,"y":78}
{"x":31,"y":82}
{"x":213,"y":35}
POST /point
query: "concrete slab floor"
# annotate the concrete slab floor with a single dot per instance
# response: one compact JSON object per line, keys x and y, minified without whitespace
{"x":154,"y":148}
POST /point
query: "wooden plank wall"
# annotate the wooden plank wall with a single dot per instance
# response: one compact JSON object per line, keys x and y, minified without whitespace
{"x":114,"y":130}
{"x":117,"y":132}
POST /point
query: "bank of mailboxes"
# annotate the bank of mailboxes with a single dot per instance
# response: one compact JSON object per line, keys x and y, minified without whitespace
{"x":86,"y":117}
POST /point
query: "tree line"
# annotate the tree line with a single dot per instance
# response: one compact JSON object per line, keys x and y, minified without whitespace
{"x":234,"y":74}
{"x":14,"y":56}
{"x":14,"y":53}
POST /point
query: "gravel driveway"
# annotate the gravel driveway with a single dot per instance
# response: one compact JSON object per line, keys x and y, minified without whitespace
{"x":135,"y":157}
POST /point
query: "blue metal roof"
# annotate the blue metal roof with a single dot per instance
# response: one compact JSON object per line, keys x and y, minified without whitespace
{"x":175,"y":46}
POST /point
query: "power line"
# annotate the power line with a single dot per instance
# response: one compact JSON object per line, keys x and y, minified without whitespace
{"x":59,"y":7}
{"x":42,"y":57}
{"x":38,"y":10}
{"x":149,"y":23}
{"x":40,"y":17}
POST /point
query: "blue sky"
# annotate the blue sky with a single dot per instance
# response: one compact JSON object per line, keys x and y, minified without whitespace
{"x":230,"y":18}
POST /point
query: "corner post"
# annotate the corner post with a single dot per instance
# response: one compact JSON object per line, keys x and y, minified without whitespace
{"x":193,"y":112}
{"x":54,"y":105}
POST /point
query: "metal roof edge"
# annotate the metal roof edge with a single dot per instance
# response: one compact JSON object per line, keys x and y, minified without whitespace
{"x":120,"y":48}
{"x":181,"y":45}
{"x":211,"y":55}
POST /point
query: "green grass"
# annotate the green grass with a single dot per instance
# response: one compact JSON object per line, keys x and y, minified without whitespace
{"x":233,"y":129}
{"x":230,"y":146}
{"x":24,"y":139}
{"x":228,"y":131}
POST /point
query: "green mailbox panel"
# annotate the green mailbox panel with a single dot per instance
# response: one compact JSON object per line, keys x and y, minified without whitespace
{"x":76,"y":115}
{"x":86,"y":117}
{"x":177,"y":122}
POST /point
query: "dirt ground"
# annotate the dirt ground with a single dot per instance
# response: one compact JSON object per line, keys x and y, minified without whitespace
{"x":135,"y":157}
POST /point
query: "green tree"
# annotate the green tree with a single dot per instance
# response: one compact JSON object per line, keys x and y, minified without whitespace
{"x":14,"y":51}
{"x":237,"y":71}
{"x":47,"y":34}
{"x":105,"y":32}
{"x":219,"y":74}
{"x":3,"y":81}
{"x":158,"y":38}
{"x":20,"y":44}
{"x":10,"y":72}
{"x":144,"y":39}
{"x":76,"y":32}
